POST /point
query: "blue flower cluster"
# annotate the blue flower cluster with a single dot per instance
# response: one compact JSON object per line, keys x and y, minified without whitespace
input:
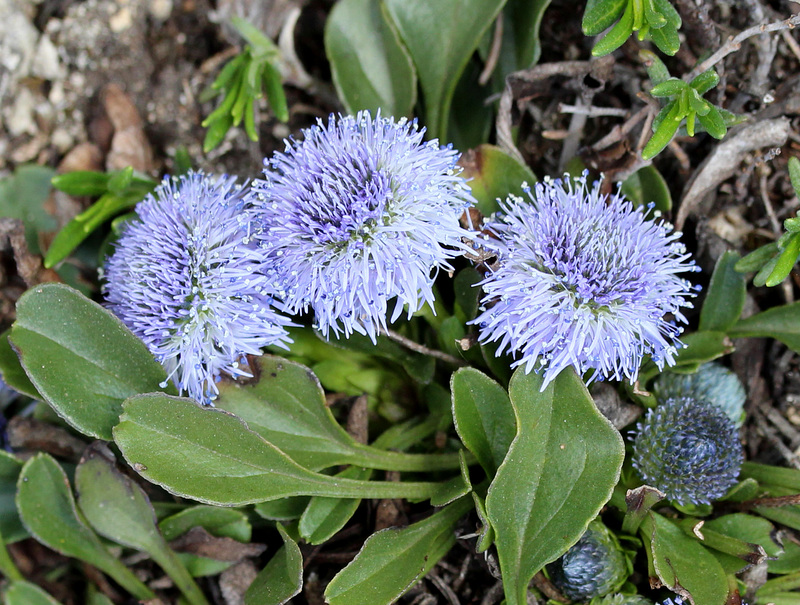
{"x":353,"y":223}
{"x":583,"y":280}
{"x":361,"y":212}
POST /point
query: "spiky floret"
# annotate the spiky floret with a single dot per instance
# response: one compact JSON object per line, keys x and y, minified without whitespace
{"x":689,"y":449}
{"x":585,"y":280}
{"x":358,"y":213}
{"x":185,"y":278}
{"x":712,"y":382}
{"x":594,"y":566}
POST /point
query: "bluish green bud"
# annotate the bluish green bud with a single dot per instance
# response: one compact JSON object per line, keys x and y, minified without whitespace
{"x":689,"y":449}
{"x":593,"y":567}
{"x":713,"y":382}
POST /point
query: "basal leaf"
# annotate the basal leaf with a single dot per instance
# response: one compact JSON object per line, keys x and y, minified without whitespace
{"x":22,"y":592}
{"x":441,"y":37}
{"x":370,"y":66}
{"x":13,"y":373}
{"x":81,"y":358}
{"x":524,"y":18}
{"x":393,"y":560}
{"x":682,"y":564}
{"x":725,"y":297}
{"x":560,"y":470}
{"x":118,"y":509}
{"x":47,"y":509}
{"x":324,"y":517}
{"x":781,"y":323}
{"x":483,"y":416}
{"x":11,"y":528}
{"x":211,"y":456}
{"x":600,"y":14}
{"x":646,"y":186}
{"x":286,"y":406}
{"x":281,"y":579}
{"x":492,"y":174}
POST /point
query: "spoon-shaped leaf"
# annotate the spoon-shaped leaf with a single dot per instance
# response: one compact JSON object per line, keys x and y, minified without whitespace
{"x":560,"y":470}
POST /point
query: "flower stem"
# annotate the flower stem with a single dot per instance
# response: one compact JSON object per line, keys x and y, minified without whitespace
{"x":418,"y":348}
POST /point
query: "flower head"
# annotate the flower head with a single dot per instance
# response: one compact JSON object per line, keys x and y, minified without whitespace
{"x":594,"y":566}
{"x":689,"y":449}
{"x":360,"y":212}
{"x":185,"y":279}
{"x":712,"y":382}
{"x":621,"y":599}
{"x":583,"y":280}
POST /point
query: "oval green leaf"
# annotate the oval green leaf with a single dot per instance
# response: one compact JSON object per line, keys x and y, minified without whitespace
{"x":483,"y":416}
{"x":25,"y":593}
{"x":81,"y":358}
{"x":493,"y":175}
{"x":281,"y":579}
{"x":560,"y":470}
{"x":370,"y":67}
{"x":781,"y":323}
{"x":393,"y":560}
{"x":211,"y":456}
{"x":441,"y":37}
{"x":726,"y":295}
{"x":47,"y":509}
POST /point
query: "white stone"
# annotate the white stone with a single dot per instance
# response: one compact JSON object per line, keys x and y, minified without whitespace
{"x":46,"y":64}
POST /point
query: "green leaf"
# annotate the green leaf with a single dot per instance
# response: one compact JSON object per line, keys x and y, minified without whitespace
{"x":786,"y":261}
{"x":493,"y":175}
{"x":393,"y":560}
{"x":713,"y":123}
{"x":617,"y":36}
{"x":262,"y":46}
{"x":700,"y":347}
{"x":287,"y":408}
{"x":325,"y":516}
{"x":669,"y":88}
{"x":220,"y":522}
{"x":118,"y":509}
{"x":646,"y":185}
{"x":281,"y":579}
{"x":705,"y":81}
{"x":81,"y":358}
{"x":794,"y":174}
{"x":47,"y":509}
{"x":441,"y":37}
{"x":757,"y":258}
{"x":216,"y":131}
{"x":276,"y":96}
{"x":82,"y":183}
{"x":725,"y":297}
{"x":781,"y":323}
{"x":786,"y":562}
{"x":370,"y":67}
{"x":21,"y":592}
{"x":747,"y":528}
{"x":23,"y":196}
{"x":12,"y":371}
{"x":665,"y":8}
{"x":656,"y":70}
{"x":211,"y":456}
{"x":666,"y":39}
{"x":560,"y":470}
{"x":522,"y":19}
{"x":664,"y":132}
{"x":682,"y":564}
{"x":120,"y":180}
{"x":483,"y":416}
{"x":600,"y":14}
{"x":11,"y":528}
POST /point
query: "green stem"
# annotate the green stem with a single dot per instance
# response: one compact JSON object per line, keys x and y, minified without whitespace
{"x":7,"y":564}
{"x":437,"y":492}
{"x":171,"y":563}
{"x":126,"y":578}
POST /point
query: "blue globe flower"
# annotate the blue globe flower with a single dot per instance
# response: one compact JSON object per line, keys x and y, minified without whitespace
{"x":185,"y":278}
{"x":712,"y":382}
{"x":594,"y":566}
{"x":358,"y":213}
{"x":621,"y":599}
{"x":689,"y":449}
{"x":583,"y":280}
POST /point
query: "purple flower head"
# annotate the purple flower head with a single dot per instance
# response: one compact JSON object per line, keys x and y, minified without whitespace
{"x":689,"y":449}
{"x":583,"y":280}
{"x":361,"y":211}
{"x":185,"y":279}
